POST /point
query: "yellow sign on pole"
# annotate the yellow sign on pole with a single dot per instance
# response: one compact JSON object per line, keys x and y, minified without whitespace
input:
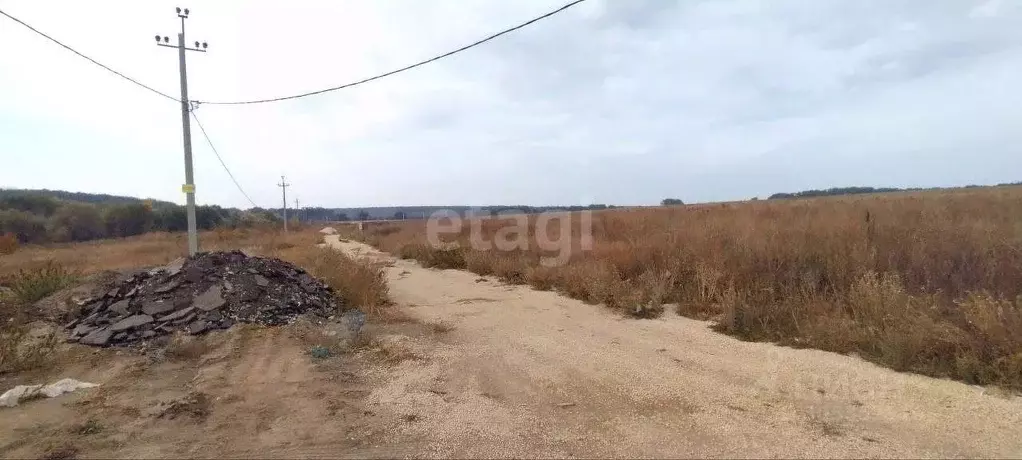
{"x":188,"y":188}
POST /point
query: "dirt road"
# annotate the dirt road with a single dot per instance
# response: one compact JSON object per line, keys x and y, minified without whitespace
{"x":524,"y":373}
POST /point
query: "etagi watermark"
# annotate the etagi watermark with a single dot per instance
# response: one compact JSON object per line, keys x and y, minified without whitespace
{"x":550,"y":231}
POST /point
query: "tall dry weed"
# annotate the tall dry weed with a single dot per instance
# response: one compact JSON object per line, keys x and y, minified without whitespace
{"x":357,"y":282}
{"x":926,"y":282}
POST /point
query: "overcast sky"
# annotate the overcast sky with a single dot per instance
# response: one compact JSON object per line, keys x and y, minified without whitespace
{"x":612,"y":101}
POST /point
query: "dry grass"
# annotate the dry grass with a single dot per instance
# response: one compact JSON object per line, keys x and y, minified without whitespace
{"x":8,"y":244}
{"x":21,"y":351}
{"x":357,"y":282}
{"x":145,"y":250}
{"x":924,"y":282}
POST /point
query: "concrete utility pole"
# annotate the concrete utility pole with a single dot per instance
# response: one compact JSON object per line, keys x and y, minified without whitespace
{"x":298,"y":211}
{"x":283,"y":190}
{"x":189,"y":186}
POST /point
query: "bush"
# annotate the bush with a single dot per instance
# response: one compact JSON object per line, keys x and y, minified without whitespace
{"x":445,"y":258}
{"x":30,"y":286}
{"x":19,"y":351}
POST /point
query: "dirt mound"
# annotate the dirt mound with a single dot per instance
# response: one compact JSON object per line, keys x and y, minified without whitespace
{"x":212,"y":290}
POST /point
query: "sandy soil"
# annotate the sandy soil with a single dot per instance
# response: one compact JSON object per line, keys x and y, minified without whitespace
{"x":475,"y":368}
{"x":248,"y":392}
{"x":529,"y":373}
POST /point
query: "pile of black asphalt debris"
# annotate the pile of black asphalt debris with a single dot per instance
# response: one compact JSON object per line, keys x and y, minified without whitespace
{"x":210,"y":291}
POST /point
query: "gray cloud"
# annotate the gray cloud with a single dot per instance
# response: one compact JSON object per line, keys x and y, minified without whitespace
{"x":626,"y":101}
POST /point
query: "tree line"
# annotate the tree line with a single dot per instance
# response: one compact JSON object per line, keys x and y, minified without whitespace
{"x":34,"y":217}
{"x":834,"y":191}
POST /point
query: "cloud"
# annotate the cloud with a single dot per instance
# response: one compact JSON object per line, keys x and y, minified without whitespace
{"x":616,"y":102}
{"x":987,"y":9}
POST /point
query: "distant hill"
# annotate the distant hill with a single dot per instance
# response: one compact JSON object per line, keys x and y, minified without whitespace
{"x":94,"y":198}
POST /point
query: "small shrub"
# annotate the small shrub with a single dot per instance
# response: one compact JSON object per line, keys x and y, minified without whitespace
{"x":444,"y":258}
{"x":414,"y":252}
{"x":541,"y":278}
{"x":30,"y":286}
{"x":510,"y":268}
{"x":19,"y":351}
{"x":86,"y":428}
{"x":319,"y":352}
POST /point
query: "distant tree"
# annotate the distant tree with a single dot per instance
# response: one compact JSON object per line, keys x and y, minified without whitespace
{"x":363,"y":215}
{"x":400,"y":215}
{"x":170,"y":219}
{"x":128,"y":219}
{"x":671,"y":202}
{"x":29,"y":202}
{"x":25,"y":226}
{"x":76,"y":222}
{"x":208,"y":217}
{"x":341,"y":217}
{"x":252,"y":218}
{"x":837,"y":191}
{"x":270,"y":216}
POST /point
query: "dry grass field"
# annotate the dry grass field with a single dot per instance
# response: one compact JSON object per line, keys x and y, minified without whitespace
{"x":466,"y":366}
{"x":356,"y":282}
{"x":922,"y":282}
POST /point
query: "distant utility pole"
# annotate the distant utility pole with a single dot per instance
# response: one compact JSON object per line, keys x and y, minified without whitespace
{"x":283,"y":190}
{"x":189,"y":186}
{"x":298,"y":211}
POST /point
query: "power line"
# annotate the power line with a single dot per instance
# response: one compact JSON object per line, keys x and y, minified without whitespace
{"x":201,"y":128}
{"x":409,"y":67}
{"x":33,"y":29}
